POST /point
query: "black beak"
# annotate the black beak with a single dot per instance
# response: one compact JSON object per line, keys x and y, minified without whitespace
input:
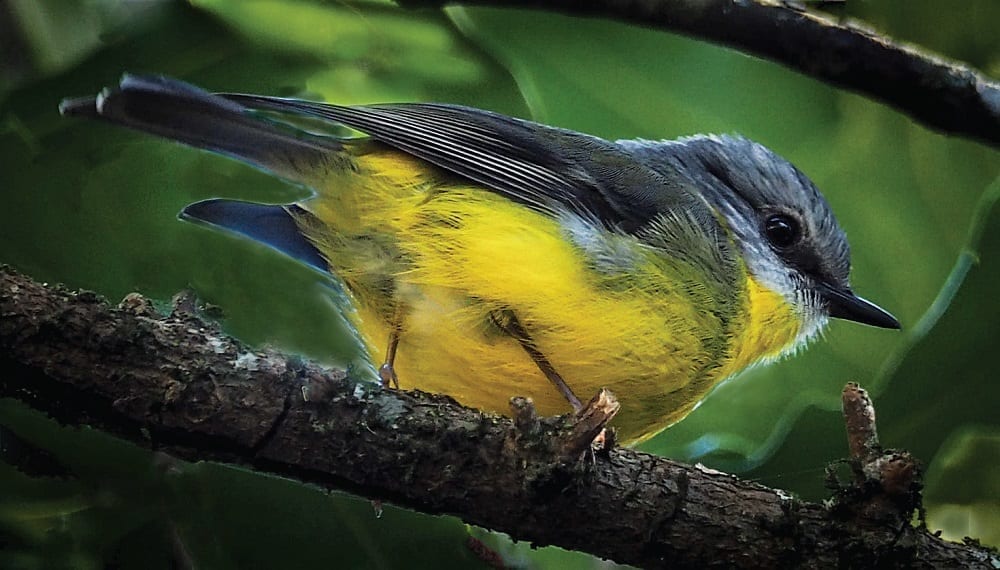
{"x":842,"y":303}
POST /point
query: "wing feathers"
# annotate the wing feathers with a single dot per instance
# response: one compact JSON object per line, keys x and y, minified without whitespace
{"x":551,"y":170}
{"x":502,"y":153}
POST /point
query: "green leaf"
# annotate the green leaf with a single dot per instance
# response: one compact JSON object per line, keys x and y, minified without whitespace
{"x":962,"y":493}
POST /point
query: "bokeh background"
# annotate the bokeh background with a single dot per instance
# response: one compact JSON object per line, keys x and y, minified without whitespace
{"x":95,"y":207}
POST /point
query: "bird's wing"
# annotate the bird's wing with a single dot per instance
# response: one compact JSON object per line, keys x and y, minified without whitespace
{"x":638,"y":188}
{"x":551,"y":170}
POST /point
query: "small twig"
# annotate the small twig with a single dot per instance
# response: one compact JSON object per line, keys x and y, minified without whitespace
{"x":887,"y":482}
{"x":525,"y":416}
{"x":859,"y":417}
{"x":185,"y":302}
{"x":589,"y":422}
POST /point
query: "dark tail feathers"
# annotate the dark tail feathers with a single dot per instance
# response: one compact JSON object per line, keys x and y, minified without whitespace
{"x":178,"y":111}
{"x":272,"y":225}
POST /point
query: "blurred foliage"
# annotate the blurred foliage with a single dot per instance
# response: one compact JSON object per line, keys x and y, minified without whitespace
{"x":95,"y":207}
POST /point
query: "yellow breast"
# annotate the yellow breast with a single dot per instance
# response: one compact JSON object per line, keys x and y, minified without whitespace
{"x":443,"y":259}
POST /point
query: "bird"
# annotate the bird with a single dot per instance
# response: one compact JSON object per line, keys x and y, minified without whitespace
{"x":487,"y":256}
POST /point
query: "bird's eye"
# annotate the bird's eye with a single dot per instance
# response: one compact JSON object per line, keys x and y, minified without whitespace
{"x":781,"y":230}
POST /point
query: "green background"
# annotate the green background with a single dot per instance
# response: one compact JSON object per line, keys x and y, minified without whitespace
{"x":95,"y":207}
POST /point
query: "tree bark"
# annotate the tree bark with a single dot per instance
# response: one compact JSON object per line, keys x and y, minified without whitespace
{"x":949,"y":97}
{"x":177,"y":384}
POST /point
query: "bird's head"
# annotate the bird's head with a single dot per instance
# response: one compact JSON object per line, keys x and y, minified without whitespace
{"x":785,"y":229}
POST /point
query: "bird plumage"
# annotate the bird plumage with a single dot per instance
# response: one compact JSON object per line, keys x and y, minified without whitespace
{"x":641,"y":266}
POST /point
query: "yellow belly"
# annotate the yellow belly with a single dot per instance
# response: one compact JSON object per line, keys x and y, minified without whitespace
{"x":441,"y":260}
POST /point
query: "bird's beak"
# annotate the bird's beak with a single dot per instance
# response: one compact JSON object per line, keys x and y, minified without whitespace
{"x":842,"y":303}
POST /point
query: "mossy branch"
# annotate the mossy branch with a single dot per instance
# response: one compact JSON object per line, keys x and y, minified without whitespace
{"x":177,"y":384}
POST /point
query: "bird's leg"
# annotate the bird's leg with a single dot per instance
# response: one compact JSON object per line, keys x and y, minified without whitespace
{"x":386,"y":372}
{"x":516,"y":330}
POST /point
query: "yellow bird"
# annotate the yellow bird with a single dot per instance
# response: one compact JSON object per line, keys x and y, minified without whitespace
{"x":489,"y":256}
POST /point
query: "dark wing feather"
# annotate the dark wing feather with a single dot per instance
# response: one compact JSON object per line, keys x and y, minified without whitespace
{"x":543,"y":167}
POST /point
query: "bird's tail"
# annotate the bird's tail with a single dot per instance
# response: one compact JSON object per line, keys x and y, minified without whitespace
{"x":178,"y":111}
{"x":181,"y":112}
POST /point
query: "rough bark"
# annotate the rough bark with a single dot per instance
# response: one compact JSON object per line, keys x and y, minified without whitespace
{"x":176,"y":384}
{"x":949,"y":97}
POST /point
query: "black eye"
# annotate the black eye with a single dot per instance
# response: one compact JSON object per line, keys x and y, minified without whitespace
{"x":781,"y":230}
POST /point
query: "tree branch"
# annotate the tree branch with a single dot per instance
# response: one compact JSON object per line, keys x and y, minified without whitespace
{"x":178,"y":385}
{"x":946,"y":96}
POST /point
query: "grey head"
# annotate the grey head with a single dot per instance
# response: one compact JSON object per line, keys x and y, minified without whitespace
{"x":785,"y":229}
